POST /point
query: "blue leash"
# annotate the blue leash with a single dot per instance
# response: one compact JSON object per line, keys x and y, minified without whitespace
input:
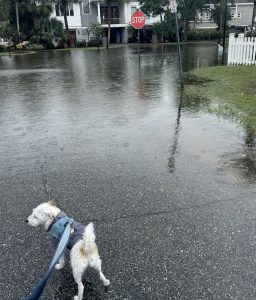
{"x":38,"y":289}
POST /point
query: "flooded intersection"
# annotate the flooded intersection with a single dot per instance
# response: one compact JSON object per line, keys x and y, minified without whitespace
{"x":171,"y":189}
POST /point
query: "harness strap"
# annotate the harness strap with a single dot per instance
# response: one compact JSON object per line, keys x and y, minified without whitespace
{"x":38,"y":289}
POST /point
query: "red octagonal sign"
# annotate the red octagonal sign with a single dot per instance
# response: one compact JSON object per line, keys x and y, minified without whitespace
{"x":138,"y":19}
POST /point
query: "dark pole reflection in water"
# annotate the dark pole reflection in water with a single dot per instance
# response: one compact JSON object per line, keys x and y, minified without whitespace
{"x":171,"y":161}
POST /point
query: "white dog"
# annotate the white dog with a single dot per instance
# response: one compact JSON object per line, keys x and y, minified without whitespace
{"x":84,"y":251}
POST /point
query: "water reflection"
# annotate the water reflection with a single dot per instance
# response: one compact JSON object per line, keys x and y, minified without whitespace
{"x":175,"y":139}
{"x":239,"y":161}
{"x":90,"y":103}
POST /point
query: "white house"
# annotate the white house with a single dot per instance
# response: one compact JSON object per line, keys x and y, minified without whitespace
{"x":241,"y":13}
{"x":84,"y":12}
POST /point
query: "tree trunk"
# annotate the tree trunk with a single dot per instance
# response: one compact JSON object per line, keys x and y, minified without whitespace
{"x":109,"y":22}
{"x":17,"y":18}
{"x":66,"y":22}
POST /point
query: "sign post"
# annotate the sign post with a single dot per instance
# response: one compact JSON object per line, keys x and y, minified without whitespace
{"x":138,"y":20}
{"x":173,"y":6}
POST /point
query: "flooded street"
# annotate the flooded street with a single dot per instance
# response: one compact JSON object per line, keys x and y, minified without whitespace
{"x":171,"y":189}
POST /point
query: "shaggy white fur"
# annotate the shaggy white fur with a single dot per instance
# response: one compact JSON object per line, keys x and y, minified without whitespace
{"x":83,"y":254}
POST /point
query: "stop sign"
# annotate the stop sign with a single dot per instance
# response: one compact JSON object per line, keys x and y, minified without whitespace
{"x":138,"y":19}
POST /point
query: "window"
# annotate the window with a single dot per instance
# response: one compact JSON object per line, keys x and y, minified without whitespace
{"x":133,"y":9}
{"x":57,"y":9}
{"x":71,"y":9}
{"x":60,"y":10}
{"x":87,"y":6}
{"x":104,"y":12}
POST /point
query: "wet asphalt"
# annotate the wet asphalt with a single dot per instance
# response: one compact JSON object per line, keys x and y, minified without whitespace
{"x":171,"y":190}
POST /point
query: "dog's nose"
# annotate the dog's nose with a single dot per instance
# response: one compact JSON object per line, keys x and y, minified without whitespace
{"x":26,"y":221}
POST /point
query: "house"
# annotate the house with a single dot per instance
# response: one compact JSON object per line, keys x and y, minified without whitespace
{"x":85,"y":12}
{"x":241,"y":13}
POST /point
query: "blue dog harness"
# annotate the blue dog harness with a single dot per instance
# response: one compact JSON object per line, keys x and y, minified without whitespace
{"x":58,"y":226}
{"x":61,"y":246}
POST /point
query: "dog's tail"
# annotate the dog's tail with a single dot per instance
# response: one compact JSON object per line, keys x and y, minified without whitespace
{"x":89,"y":237}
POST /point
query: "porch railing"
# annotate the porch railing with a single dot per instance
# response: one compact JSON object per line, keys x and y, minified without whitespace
{"x":113,"y":20}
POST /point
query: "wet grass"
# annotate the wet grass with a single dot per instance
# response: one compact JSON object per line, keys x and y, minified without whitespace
{"x":225,"y":91}
{"x":17,"y":53}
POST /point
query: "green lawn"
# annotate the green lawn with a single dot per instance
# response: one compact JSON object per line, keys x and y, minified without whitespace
{"x":226,"y":91}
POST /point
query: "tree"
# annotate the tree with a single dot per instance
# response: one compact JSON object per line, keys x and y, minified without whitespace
{"x":187,"y":9}
{"x":64,"y":8}
{"x":153,"y":7}
{"x":218,"y":15}
{"x":166,"y":28}
{"x":4,"y":18}
{"x":34,"y":21}
{"x":109,"y":3}
{"x":97,"y":31}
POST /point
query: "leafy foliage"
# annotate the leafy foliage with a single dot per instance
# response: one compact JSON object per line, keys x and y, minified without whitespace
{"x":154,"y":7}
{"x":166,"y":28}
{"x":187,"y":10}
{"x":97,"y":31}
{"x":34,"y":22}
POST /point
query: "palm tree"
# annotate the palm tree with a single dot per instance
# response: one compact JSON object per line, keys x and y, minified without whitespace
{"x":109,"y":3}
{"x":64,"y":4}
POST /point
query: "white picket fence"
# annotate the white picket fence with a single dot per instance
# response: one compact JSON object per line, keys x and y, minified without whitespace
{"x":241,"y":50}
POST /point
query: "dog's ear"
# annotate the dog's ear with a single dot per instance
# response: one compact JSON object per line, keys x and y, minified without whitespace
{"x":49,"y":220}
{"x":52,"y":203}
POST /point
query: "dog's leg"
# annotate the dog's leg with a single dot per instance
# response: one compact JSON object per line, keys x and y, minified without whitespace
{"x":96,"y":264}
{"x":60,"y":265}
{"x":78,"y":278}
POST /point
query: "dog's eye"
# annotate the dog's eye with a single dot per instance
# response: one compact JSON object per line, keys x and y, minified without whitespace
{"x":35,"y":217}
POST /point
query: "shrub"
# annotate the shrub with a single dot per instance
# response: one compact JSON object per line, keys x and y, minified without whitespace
{"x":34,"y":47}
{"x":3,"y":48}
{"x":19,"y":47}
{"x":35,"y":39}
{"x":203,"y":34}
{"x":94,"y":43}
{"x":82,"y":43}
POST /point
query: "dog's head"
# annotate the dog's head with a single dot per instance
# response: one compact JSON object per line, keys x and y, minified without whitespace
{"x":43,"y":215}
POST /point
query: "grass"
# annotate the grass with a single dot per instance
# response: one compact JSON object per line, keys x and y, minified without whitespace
{"x":17,"y":53}
{"x":225,"y":91}
{"x":62,"y":49}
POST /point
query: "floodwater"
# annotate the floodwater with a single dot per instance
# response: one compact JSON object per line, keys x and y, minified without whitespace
{"x":171,"y":188}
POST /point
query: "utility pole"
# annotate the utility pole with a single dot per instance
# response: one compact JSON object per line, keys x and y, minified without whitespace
{"x":109,"y":22}
{"x":253,"y":15}
{"x":224,"y":30}
{"x":173,"y":5}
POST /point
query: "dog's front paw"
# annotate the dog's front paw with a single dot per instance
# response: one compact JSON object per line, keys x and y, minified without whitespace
{"x":59,"y":266}
{"x":75,"y":297}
